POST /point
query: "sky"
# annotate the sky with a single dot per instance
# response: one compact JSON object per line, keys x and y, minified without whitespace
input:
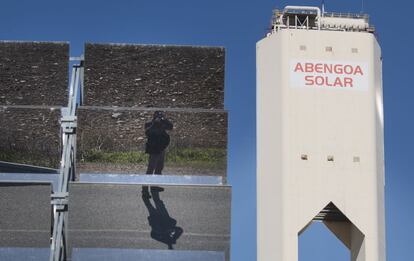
{"x":238,"y":25}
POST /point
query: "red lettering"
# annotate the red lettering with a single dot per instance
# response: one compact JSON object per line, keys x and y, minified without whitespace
{"x":338,"y":69}
{"x":348,"y":82}
{"x":309,"y":80}
{"x":327,"y":82}
{"x":319,"y":68}
{"x":322,"y":74}
{"x":308,"y":67}
{"x":338,"y":82}
{"x":348,"y":69}
{"x":327,"y":68}
{"x":319,"y":80}
{"x":298,"y":67}
{"x":358,"y":70}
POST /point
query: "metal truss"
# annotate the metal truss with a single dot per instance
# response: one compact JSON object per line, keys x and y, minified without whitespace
{"x":59,"y":198}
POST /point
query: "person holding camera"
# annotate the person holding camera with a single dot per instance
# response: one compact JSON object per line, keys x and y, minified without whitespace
{"x":157,"y":141}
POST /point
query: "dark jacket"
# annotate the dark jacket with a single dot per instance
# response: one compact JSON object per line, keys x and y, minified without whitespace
{"x":157,"y":136}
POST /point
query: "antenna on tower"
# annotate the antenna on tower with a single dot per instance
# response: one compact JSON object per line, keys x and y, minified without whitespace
{"x":362,"y":6}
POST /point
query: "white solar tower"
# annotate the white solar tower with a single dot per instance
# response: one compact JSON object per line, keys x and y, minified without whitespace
{"x":320,"y":153}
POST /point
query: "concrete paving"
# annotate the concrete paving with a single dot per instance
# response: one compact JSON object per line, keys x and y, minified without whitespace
{"x":25,"y":215}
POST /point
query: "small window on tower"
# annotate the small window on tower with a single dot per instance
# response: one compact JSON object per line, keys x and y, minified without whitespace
{"x":356,"y":159}
{"x":328,"y":48}
{"x":302,"y":47}
{"x":330,"y":158}
{"x":304,"y":157}
{"x":354,"y":50}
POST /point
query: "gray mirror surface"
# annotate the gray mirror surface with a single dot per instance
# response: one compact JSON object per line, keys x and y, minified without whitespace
{"x":34,"y":73}
{"x":128,"y":75}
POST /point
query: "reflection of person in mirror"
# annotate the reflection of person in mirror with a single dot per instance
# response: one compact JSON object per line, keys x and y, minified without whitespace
{"x":157,"y":141}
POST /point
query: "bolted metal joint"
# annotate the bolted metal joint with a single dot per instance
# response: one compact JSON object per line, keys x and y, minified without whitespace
{"x":68,"y":124}
{"x":60,"y":200}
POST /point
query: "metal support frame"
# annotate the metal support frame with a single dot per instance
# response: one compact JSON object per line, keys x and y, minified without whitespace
{"x":59,"y":198}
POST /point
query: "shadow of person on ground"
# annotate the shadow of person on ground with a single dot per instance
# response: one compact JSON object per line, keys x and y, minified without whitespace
{"x":163,"y":227}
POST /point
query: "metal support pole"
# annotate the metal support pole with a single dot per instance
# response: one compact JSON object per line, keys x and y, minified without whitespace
{"x":59,"y":199}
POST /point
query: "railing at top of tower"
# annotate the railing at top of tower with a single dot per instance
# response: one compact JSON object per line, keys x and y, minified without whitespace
{"x":308,"y":9}
{"x":312,"y":18}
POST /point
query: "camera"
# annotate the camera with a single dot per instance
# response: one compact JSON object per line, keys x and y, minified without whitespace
{"x":158,"y":115}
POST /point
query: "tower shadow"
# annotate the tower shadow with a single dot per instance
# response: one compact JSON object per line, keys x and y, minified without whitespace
{"x":163,"y":227}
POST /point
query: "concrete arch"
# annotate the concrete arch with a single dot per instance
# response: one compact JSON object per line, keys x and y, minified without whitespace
{"x":343,"y":228}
